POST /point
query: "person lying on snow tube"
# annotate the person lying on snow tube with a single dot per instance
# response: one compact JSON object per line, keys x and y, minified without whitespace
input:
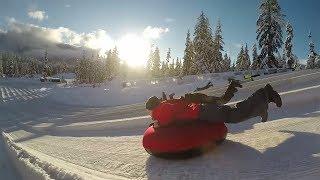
{"x":200,"y":107}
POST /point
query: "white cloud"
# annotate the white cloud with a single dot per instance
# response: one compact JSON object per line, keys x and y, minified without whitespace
{"x":67,"y":5}
{"x":38,"y":15}
{"x":2,"y":31}
{"x":154,"y":32}
{"x":32,"y":38}
{"x":94,"y":40}
{"x":29,"y":38}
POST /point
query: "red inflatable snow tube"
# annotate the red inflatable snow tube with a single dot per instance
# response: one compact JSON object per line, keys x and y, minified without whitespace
{"x":183,"y":141}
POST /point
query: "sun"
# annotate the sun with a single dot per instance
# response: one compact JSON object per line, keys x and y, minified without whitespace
{"x":134,"y":50}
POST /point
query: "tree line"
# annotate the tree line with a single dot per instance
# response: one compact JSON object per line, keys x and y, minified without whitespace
{"x":13,"y":65}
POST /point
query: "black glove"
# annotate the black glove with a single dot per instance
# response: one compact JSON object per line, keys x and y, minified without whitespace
{"x":164,"y":96}
{"x":171,"y":95}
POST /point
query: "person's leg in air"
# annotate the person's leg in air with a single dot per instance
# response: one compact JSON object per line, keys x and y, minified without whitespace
{"x":226,"y":97}
{"x":255,"y":105}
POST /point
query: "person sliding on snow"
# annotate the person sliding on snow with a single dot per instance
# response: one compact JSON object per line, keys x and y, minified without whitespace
{"x":212,"y":109}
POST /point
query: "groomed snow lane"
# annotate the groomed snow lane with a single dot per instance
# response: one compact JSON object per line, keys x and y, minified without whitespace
{"x":286,"y":148}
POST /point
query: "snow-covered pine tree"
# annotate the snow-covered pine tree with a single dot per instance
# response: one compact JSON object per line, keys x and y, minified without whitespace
{"x":269,"y":31}
{"x":233,"y":67}
{"x":255,"y":58}
{"x":217,"y":48}
{"x":108,"y":64}
{"x":156,"y":63}
{"x":226,"y":63}
{"x":282,"y":59}
{"x":203,"y":45}
{"x":45,"y":64}
{"x":188,"y":56}
{"x":288,"y":46}
{"x":246,"y":59}
{"x":149,"y":63}
{"x":12,"y":59}
{"x":239,"y":62}
{"x":178,"y":67}
{"x":318,"y":62}
{"x":163,"y":68}
{"x":311,"y":62}
{"x":16,"y":66}
{"x":168,"y":65}
{"x":115,"y":65}
{"x":172,"y":69}
{"x":1,"y":68}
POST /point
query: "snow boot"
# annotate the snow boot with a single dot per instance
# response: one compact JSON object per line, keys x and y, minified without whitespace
{"x":209,"y":84}
{"x":257,"y":103}
{"x":273,"y":96}
{"x":232,"y":88}
{"x":235,"y":83}
{"x":226,"y":97}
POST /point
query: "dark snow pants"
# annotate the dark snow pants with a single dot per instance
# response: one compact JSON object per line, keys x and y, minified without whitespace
{"x":255,"y":105}
{"x":221,"y":113}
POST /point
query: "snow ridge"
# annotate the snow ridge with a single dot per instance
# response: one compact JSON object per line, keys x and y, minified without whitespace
{"x":30,"y":167}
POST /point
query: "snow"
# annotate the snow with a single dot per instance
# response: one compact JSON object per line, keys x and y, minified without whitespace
{"x":276,"y":150}
{"x":6,"y":167}
{"x":113,"y":94}
{"x":47,"y":138}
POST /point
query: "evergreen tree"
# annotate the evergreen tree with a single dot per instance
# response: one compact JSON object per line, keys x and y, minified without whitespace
{"x":1,"y":68}
{"x":246,"y":59}
{"x":239,"y":66}
{"x":226,"y":63}
{"x":311,"y":62}
{"x":203,"y":46}
{"x":318,"y":62}
{"x":164,"y":68}
{"x":178,"y":68}
{"x":156,"y":63}
{"x":115,"y":62}
{"x":269,"y":31}
{"x":167,"y":68}
{"x":255,"y":58}
{"x":46,"y":69}
{"x":282,"y":59}
{"x":172,"y":69}
{"x":217,"y":48}
{"x":233,"y":67}
{"x":288,"y":46}
{"x":149,"y":62}
{"x":108,"y":64}
{"x":188,"y":56}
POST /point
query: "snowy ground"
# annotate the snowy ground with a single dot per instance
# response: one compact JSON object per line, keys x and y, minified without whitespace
{"x":101,"y":142}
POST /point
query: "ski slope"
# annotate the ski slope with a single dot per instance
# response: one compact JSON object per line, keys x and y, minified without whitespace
{"x":67,"y":142}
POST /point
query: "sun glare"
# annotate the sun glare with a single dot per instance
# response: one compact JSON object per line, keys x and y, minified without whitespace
{"x":134,"y":50}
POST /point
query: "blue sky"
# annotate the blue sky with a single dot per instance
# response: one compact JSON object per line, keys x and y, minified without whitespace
{"x":119,"y":17}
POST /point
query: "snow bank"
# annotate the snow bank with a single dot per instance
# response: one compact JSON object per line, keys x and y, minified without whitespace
{"x":113,"y":93}
{"x":32,"y":168}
